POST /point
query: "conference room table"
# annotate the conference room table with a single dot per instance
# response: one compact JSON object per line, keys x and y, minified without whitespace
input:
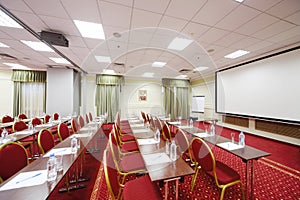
{"x":158,"y":164}
{"x":247,"y":153}
{"x":33,"y":177}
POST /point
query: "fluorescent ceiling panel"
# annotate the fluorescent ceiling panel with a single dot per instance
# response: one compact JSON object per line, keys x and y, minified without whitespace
{"x":240,"y":1}
{"x":16,"y":66}
{"x":37,"y":46}
{"x":7,"y":21}
{"x":3,"y":45}
{"x":182,"y":76}
{"x":90,"y":29}
{"x":103,"y":59}
{"x":236,"y":54}
{"x":108,"y":71}
{"x":199,"y":69}
{"x":179,"y":43}
{"x":60,"y":60}
{"x":148,"y":74}
{"x":158,"y":64}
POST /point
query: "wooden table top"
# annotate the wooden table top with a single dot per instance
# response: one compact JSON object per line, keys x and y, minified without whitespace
{"x":42,"y":191}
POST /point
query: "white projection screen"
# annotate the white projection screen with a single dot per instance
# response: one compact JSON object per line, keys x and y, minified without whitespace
{"x":267,"y":88}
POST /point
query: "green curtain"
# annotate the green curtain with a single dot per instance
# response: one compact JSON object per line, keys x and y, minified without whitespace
{"x":177,"y":98}
{"x":20,"y":77}
{"x":108,"y":95}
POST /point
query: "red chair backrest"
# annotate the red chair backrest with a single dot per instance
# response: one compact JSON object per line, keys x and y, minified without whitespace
{"x":47,"y":118}
{"x":7,"y":118}
{"x":36,"y":121}
{"x":63,"y":131}
{"x":22,"y":116}
{"x":45,"y":140}
{"x":1,"y":131}
{"x":182,"y":140}
{"x":87,"y":118}
{"x":144,"y":117}
{"x":81,"y":121}
{"x":91,"y":117}
{"x":75,"y":125}
{"x":19,"y":126}
{"x":55,"y":116}
{"x":167,"y":132}
{"x":202,"y":154}
{"x":111,"y":174}
{"x":13,"y":157}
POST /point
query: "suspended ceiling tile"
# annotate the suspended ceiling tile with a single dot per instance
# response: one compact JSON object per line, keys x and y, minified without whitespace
{"x":294,"y":18}
{"x":244,"y":43}
{"x":16,"y":5}
{"x":285,"y":8}
{"x":259,"y":45}
{"x":75,"y":41}
{"x":195,"y":30}
{"x":173,"y":23}
{"x":144,"y":19}
{"x":214,"y":10}
{"x":229,"y":39}
{"x":89,"y":13}
{"x":92,"y":43}
{"x":122,"y":2}
{"x":52,"y":8}
{"x":115,"y":15}
{"x":156,"y":6}
{"x":184,"y":9}
{"x":213,"y":35}
{"x":273,"y":29}
{"x":283,"y":36}
{"x":260,"y":22}
{"x":261,"y":5}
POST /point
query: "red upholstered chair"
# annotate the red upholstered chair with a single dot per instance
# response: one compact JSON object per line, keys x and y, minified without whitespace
{"x":19,"y":126}
{"x":144,"y":117}
{"x":55,"y":116}
{"x":36,"y":121}
{"x":123,"y":137}
{"x":127,"y":164}
{"x":45,"y":140}
{"x":75,"y":126}
{"x":126,"y":148}
{"x":223,"y":175}
{"x":137,"y":189}
{"x":22,"y":116}
{"x":13,"y":157}
{"x":166,"y":132}
{"x":7,"y":118}
{"x":47,"y":118}
{"x":90,"y":116}
{"x":81,"y":121}
{"x":87,"y":120}
{"x":63,"y":131}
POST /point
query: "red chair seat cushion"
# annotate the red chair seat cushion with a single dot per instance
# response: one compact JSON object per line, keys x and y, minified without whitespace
{"x":130,"y":146}
{"x":126,"y":138}
{"x":132,"y":162}
{"x":225,"y":174}
{"x":140,"y":189}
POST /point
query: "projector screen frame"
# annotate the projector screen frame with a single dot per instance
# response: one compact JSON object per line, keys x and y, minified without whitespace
{"x":252,"y":116}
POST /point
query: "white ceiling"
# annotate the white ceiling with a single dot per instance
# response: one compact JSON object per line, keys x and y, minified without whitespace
{"x":219,"y":27}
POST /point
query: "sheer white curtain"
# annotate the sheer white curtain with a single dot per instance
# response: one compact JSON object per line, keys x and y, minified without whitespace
{"x":33,"y":98}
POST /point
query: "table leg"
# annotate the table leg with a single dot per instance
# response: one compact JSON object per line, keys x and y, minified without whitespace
{"x":249,"y":180}
{"x":166,"y":190}
{"x":177,"y":180}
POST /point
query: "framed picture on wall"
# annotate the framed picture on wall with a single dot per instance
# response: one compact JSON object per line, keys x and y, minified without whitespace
{"x":142,"y":95}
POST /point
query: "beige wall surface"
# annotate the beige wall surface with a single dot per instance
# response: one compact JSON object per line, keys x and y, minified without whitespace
{"x":6,"y":89}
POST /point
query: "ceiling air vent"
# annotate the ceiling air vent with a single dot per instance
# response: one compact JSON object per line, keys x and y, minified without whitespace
{"x":184,"y":70}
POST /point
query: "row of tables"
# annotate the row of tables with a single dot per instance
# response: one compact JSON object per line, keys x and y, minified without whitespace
{"x":37,"y":187}
{"x":161,"y":168}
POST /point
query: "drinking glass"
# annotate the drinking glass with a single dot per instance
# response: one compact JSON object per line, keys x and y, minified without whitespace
{"x":232,"y":137}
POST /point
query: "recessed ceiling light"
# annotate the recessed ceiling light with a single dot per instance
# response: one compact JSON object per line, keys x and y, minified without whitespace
{"x":108,"y":71}
{"x":37,"y":46}
{"x":179,"y":43}
{"x":90,"y":29}
{"x":117,"y":35}
{"x":16,"y":66}
{"x":240,"y":1}
{"x":236,"y":54}
{"x":148,"y":74}
{"x":182,"y":76}
{"x":60,"y":60}
{"x":103,"y":59}
{"x":199,"y":69}
{"x":158,"y":64}
{"x":3,"y":45}
{"x":7,"y":21}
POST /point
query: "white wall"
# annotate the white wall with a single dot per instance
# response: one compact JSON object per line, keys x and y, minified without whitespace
{"x":130,"y":103}
{"x":59,"y":91}
{"x":6,"y":89}
{"x":89,"y":95}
